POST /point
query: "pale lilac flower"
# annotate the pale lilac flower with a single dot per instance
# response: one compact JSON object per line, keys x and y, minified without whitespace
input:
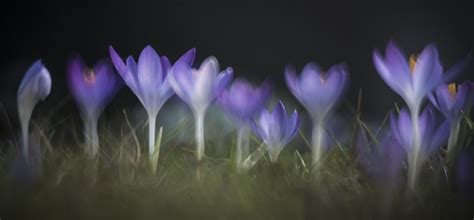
{"x":242,"y":101}
{"x":35,"y":87}
{"x":149,"y":81}
{"x":198,"y":88}
{"x":452,"y":101}
{"x":92,"y":88}
{"x":413,"y":79}
{"x":276,"y":129}
{"x":318,"y":92}
{"x":431,"y":135}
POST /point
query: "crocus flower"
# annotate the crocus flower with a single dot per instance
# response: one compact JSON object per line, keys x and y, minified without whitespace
{"x":198,"y":88}
{"x":452,"y":101}
{"x":318,"y":92}
{"x":432,"y":136}
{"x":413,"y":79}
{"x":148,"y":80}
{"x":276,"y":129}
{"x":35,"y":87}
{"x":242,"y":101}
{"x":92,"y":88}
{"x":382,"y":160}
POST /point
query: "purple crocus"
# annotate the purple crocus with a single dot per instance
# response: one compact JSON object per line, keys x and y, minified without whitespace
{"x":276,"y":129}
{"x":413,"y":79}
{"x":198,"y":88}
{"x":381,"y":160}
{"x":452,"y":100}
{"x":34,"y":87}
{"x":148,"y":79}
{"x":432,"y":136}
{"x":92,"y":88}
{"x":318,"y":92}
{"x":242,"y":101}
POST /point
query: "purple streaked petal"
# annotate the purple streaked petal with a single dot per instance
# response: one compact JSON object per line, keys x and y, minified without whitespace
{"x":398,"y":66}
{"x":118,"y":63}
{"x":149,"y":73}
{"x":385,"y":73}
{"x":405,"y":129}
{"x":438,"y":137}
{"x":166,"y":66}
{"x":181,"y":80}
{"x":428,"y":70}
{"x":222,"y":80}
{"x":188,"y":57}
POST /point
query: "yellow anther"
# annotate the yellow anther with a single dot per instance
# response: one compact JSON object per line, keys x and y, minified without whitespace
{"x":89,"y":76}
{"x":452,"y":88}
{"x":412,"y":63}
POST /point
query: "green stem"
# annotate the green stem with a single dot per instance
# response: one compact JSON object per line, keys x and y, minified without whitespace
{"x":453,"y":139}
{"x":151,"y":134}
{"x":199,"y":122}
{"x":25,"y":138}
{"x":242,"y":146}
{"x":414,"y":161}
{"x":92,"y":138}
{"x":317,"y":142}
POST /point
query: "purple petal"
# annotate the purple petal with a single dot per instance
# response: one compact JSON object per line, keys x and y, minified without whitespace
{"x":222,"y":80}
{"x":149,"y":73}
{"x":385,"y":73}
{"x":397,"y":64}
{"x":405,"y":130}
{"x":181,"y":80}
{"x":292,"y":81}
{"x":428,"y":70}
{"x":188,"y":57}
{"x":118,"y":63}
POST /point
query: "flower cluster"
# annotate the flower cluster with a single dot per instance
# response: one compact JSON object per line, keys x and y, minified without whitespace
{"x":154,"y":80}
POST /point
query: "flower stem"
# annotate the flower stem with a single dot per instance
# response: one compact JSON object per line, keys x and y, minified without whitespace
{"x":317,"y":142}
{"x":415,"y":163}
{"x":25,"y":137}
{"x":242,"y":147}
{"x":92,"y":138}
{"x":199,"y":122}
{"x":453,"y":139}
{"x":151,"y":134}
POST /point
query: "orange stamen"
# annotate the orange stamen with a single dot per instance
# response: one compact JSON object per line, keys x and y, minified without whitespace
{"x":89,"y":76}
{"x":452,"y":88}
{"x":412,"y":63}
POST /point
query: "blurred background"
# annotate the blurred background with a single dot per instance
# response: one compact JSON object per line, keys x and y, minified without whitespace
{"x":257,"y":39}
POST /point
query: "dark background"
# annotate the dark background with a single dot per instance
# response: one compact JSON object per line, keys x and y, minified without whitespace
{"x":256,"y":38}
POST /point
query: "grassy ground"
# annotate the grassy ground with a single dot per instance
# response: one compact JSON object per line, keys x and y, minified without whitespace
{"x":119,"y":184}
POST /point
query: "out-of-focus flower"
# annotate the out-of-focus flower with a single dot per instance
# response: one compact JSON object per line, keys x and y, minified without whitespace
{"x":243,"y":99}
{"x":149,"y":81}
{"x":431,"y":138}
{"x":276,"y":129}
{"x":92,"y":88}
{"x":382,"y":160}
{"x":318,"y":92}
{"x":452,"y":100}
{"x":35,"y":87}
{"x":413,"y":78}
{"x":198,"y":88}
